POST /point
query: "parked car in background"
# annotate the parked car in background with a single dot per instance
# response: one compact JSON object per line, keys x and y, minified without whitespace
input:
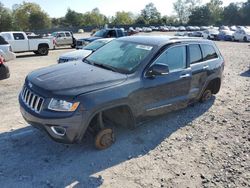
{"x":4,"y":70}
{"x":181,"y":28}
{"x":103,"y":33}
{"x":20,"y":42}
{"x":64,"y":38}
{"x":242,"y":35}
{"x":6,"y":50}
{"x":210,"y":34}
{"x":225,"y":35}
{"x":86,"y":51}
{"x":123,"y":83}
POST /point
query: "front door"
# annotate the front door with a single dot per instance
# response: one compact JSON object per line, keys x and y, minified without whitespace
{"x":168,"y":92}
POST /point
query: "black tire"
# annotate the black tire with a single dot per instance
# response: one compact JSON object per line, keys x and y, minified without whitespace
{"x":245,"y":39}
{"x":206,"y":96}
{"x":104,"y":138}
{"x":43,"y":50}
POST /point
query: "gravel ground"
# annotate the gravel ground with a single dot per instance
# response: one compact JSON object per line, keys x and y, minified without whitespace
{"x":206,"y":145}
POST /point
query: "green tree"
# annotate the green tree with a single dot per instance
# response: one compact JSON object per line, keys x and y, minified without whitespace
{"x":22,"y":14}
{"x":6,"y":19}
{"x":150,"y":14}
{"x":73,"y":18}
{"x":232,"y":14}
{"x":200,"y":16}
{"x":215,"y":7}
{"x":246,"y":13}
{"x":184,"y":8}
{"x":94,"y":18}
{"x":39,"y":20}
{"x":123,"y":18}
{"x":169,"y":20}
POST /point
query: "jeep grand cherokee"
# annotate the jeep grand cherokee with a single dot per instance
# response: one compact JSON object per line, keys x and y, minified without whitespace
{"x":122,"y":83}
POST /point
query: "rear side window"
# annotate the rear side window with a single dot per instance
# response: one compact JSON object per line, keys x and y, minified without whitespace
{"x":208,"y":52}
{"x":68,"y":34}
{"x":60,"y":35}
{"x":174,"y":57}
{"x":18,"y":36}
{"x":195,"y":53}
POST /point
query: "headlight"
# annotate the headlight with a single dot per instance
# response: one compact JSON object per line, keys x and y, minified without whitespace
{"x":61,"y":105}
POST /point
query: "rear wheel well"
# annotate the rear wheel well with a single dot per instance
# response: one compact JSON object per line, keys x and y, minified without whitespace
{"x":118,"y":116}
{"x":43,"y":45}
{"x":214,"y":85}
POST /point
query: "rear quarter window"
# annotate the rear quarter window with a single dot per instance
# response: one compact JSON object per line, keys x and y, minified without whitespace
{"x":208,"y":52}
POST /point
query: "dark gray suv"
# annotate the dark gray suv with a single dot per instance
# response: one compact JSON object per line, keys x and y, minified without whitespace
{"x":121,"y":84}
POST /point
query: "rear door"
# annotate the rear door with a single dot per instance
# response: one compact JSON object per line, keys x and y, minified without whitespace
{"x":69,"y":39}
{"x":198,"y":67}
{"x":167,"y":92}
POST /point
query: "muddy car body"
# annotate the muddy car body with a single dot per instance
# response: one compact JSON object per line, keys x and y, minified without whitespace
{"x":145,"y":76}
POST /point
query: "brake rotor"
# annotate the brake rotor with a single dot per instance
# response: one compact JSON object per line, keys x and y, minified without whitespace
{"x":104,"y":139}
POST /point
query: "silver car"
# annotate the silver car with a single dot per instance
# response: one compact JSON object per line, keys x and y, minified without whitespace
{"x":86,"y":51}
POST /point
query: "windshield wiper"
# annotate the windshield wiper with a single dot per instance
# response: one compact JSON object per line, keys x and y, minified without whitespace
{"x":87,"y":61}
{"x":108,"y":67}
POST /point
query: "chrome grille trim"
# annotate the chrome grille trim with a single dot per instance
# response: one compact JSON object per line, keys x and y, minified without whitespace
{"x":33,"y":101}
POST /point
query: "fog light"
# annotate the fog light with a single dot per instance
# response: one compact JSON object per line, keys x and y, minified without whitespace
{"x":60,"y":131}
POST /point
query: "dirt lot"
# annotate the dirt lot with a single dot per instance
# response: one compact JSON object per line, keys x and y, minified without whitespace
{"x":207,"y":145}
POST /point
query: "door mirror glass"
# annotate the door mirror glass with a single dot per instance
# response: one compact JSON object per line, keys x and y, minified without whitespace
{"x":157,"y":70}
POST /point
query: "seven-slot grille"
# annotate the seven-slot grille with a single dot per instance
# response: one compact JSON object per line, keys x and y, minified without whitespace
{"x":32,"y":100}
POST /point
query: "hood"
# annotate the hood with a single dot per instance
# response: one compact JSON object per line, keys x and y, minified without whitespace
{"x":77,"y":54}
{"x":90,"y":39}
{"x":72,"y":79}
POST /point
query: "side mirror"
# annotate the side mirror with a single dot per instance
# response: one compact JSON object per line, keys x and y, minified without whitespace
{"x":157,"y":70}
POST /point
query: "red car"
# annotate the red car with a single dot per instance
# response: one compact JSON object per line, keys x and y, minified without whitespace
{"x":4,"y":70}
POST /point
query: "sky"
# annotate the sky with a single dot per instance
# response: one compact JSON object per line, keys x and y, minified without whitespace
{"x":58,"y":8}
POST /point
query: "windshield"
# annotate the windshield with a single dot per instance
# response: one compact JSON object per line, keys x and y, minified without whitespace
{"x":100,"y":33}
{"x":54,"y":34}
{"x":123,"y":56}
{"x":95,"y":45}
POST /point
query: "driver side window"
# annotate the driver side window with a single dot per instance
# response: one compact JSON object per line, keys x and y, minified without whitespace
{"x":174,"y":57}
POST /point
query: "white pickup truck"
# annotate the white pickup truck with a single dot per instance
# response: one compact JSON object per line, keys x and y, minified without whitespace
{"x":20,"y":42}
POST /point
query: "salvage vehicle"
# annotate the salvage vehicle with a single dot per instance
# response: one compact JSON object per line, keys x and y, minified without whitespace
{"x":64,"y":38}
{"x":103,"y":33}
{"x":242,"y":35}
{"x":123,"y":83}
{"x":225,"y":35}
{"x":6,"y":50}
{"x":86,"y":51}
{"x":210,"y":34}
{"x":20,"y":42}
{"x":4,"y":70}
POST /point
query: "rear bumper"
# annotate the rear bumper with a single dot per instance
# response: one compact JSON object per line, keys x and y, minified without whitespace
{"x":71,"y":128}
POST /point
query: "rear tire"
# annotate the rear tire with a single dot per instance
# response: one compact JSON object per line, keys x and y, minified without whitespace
{"x":245,"y":39}
{"x":43,"y":50}
{"x":206,"y":96}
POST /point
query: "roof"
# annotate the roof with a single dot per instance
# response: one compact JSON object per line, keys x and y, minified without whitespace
{"x":160,"y":40}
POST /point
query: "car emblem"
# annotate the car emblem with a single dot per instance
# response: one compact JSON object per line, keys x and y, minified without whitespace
{"x":30,"y":85}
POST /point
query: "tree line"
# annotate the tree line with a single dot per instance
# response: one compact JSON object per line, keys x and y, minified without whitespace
{"x":29,"y":16}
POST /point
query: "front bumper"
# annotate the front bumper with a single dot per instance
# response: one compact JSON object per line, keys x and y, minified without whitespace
{"x":73,"y":125}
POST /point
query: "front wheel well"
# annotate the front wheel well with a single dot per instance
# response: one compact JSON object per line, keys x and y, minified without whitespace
{"x":214,"y":85}
{"x":118,"y":116}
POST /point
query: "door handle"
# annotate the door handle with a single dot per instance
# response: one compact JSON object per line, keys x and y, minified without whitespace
{"x":205,"y":67}
{"x":185,"y":76}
